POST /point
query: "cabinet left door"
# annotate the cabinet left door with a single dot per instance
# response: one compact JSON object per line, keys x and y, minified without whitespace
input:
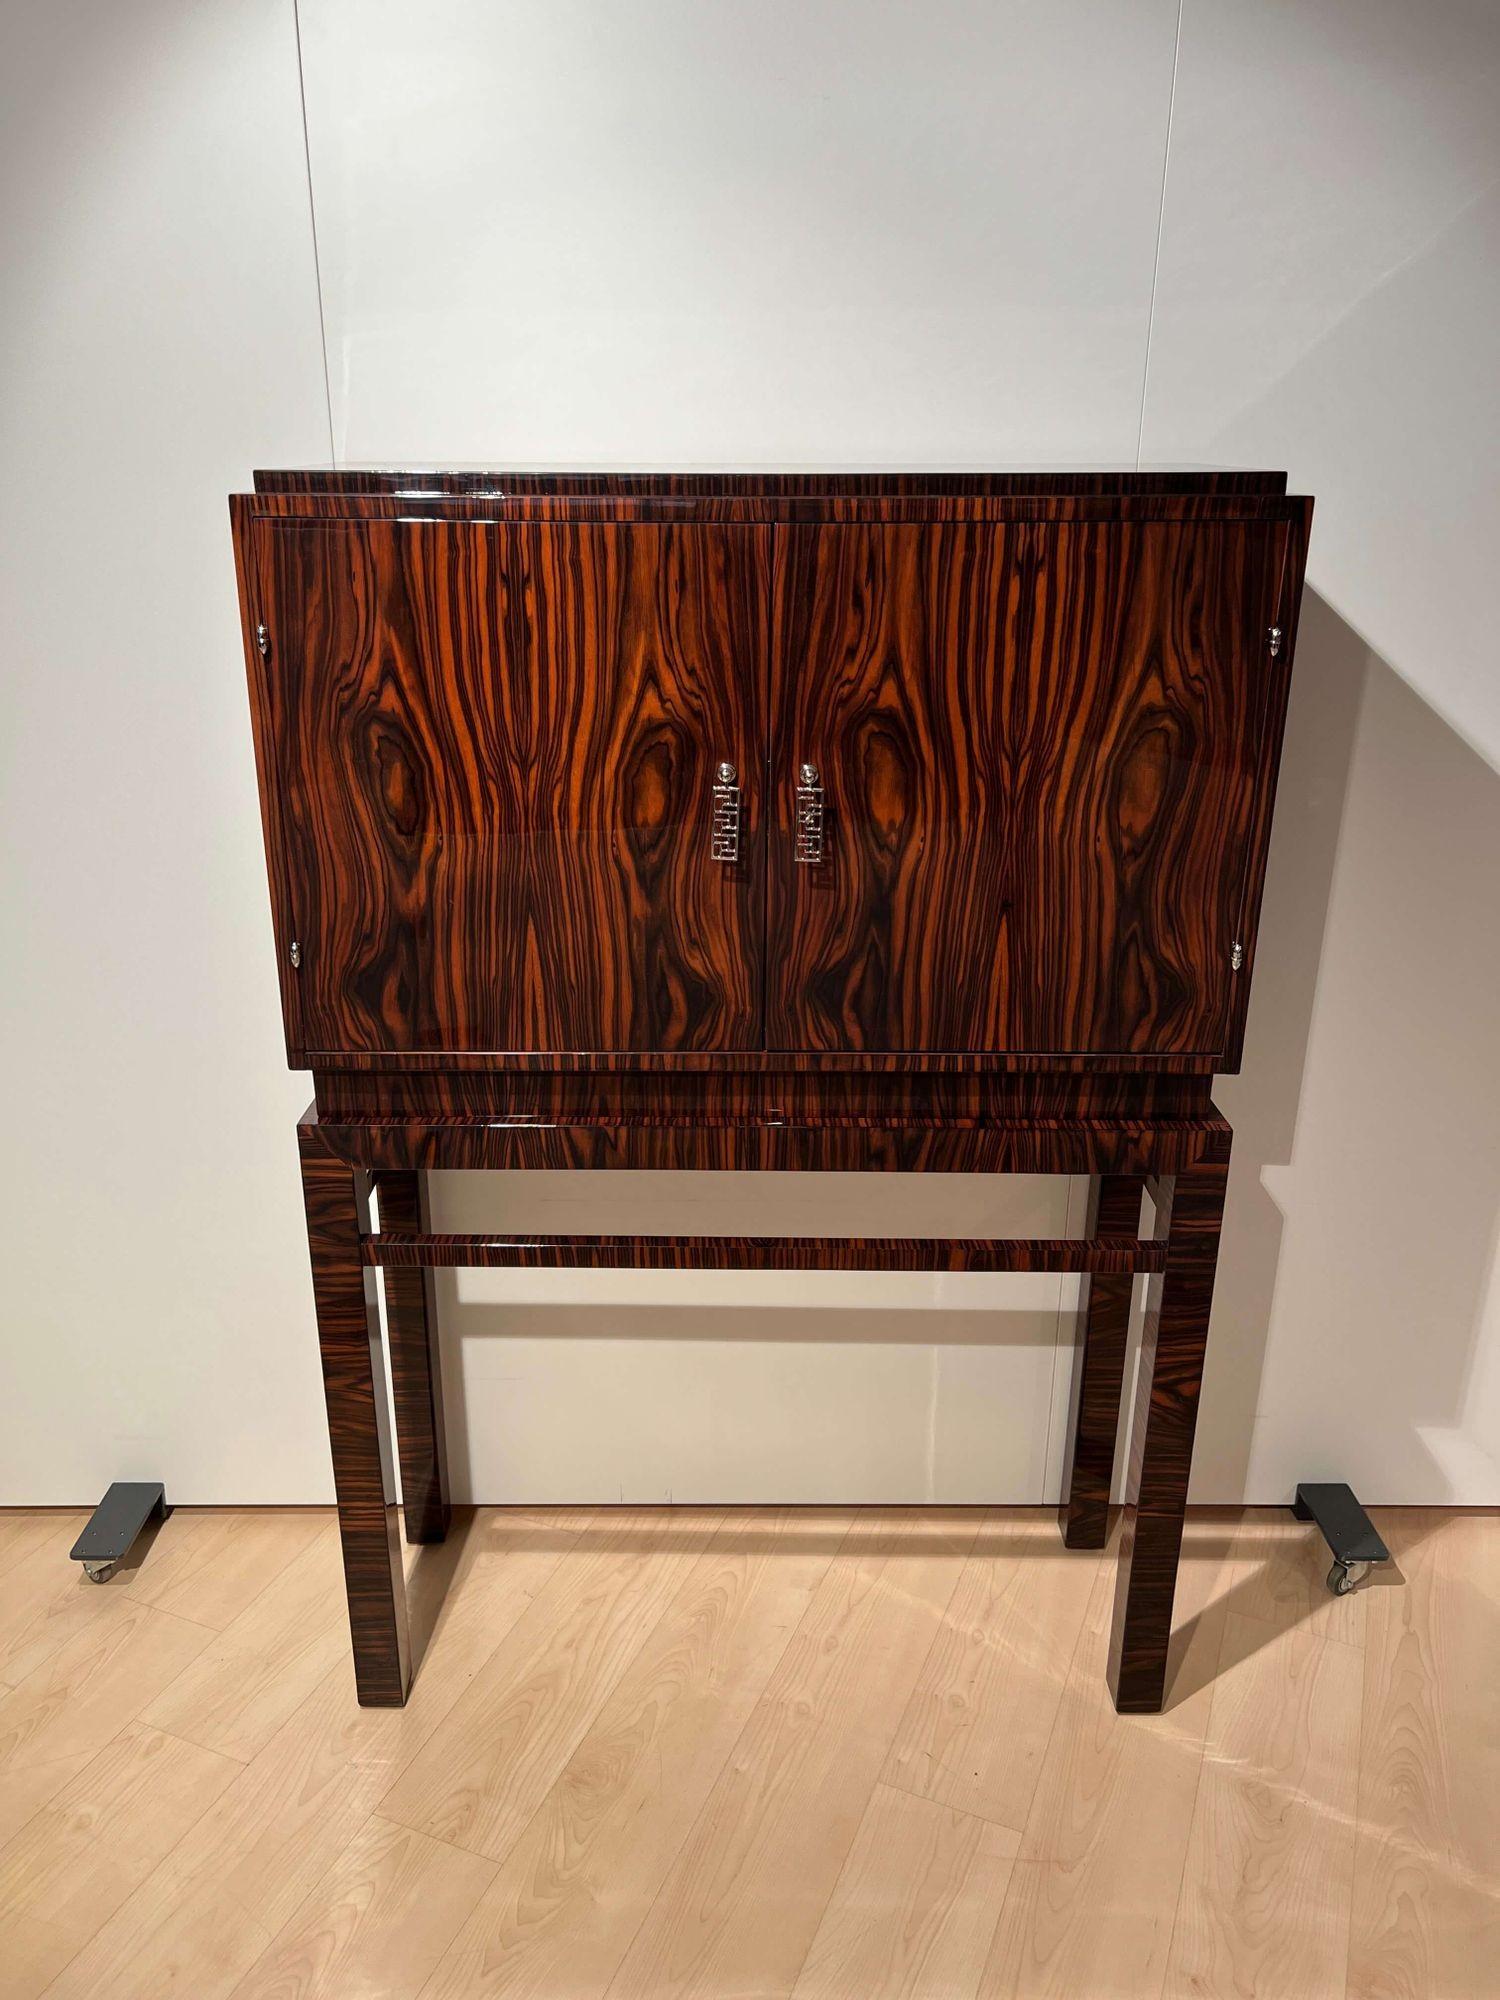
{"x":489,"y":755}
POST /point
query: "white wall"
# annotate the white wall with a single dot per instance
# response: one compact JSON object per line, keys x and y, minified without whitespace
{"x":768,"y":233}
{"x":1327,"y":300}
{"x":160,"y":328}
{"x":746,"y":234}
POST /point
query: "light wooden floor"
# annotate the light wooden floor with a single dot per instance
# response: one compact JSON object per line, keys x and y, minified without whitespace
{"x":748,"y":1753}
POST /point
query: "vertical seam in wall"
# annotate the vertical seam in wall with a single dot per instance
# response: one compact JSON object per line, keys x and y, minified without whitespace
{"x":1161,"y":216}
{"x":1066,"y":1322}
{"x":934,"y":1368}
{"x":312,"y":216}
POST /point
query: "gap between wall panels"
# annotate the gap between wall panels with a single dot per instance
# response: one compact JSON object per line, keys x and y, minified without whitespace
{"x":1161,"y":218}
{"x":312,"y":218}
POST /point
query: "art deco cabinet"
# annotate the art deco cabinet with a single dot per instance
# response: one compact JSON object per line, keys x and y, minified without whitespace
{"x":706,"y":821}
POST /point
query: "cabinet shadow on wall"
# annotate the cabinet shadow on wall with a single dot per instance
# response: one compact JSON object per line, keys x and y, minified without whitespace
{"x":1359,"y":1257}
{"x":1359,"y":1245}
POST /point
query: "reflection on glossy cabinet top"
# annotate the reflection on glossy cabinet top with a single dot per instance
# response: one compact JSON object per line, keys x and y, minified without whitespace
{"x":742,"y":484}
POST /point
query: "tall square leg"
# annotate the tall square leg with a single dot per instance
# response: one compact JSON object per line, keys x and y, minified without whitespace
{"x":335,"y":1197}
{"x":1099,"y":1372}
{"x":1189,"y":1214}
{"x":416,"y":1367}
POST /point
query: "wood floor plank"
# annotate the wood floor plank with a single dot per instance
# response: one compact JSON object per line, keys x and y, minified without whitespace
{"x":46,"y":1601}
{"x":1264,"y":1904}
{"x":23,"y":1532}
{"x":481,"y":1776}
{"x":915,"y":1908}
{"x":741,"y":1904}
{"x":377,"y":1923}
{"x":64,"y":1712}
{"x":730,"y":1791}
{"x":266,"y":1662}
{"x":573,"y":1890}
{"x":1285,"y":1566}
{"x":67,"y":1871}
{"x":214,"y":1906}
{"x":1426,"y":1916}
{"x":207,"y":1564}
{"x":1091,"y":1899}
{"x":981,"y":1715}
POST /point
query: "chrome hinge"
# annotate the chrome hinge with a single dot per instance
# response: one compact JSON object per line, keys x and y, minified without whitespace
{"x":263,"y":640}
{"x":1236,"y":956}
{"x":1273,"y":640}
{"x":295,"y":955}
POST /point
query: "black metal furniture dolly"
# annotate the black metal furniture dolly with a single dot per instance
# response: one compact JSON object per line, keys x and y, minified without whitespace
{"x":1347,"y":1529}
{"x":114,"y":1524}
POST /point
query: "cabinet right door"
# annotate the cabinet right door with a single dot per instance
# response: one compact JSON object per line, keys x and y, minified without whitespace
{"x":1035,"y":746}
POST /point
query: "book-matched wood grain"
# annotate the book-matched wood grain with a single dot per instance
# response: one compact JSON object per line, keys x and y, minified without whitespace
{"x":1043,"y":707}
{"x":1038,"y":747}
{"x":493,"y":752}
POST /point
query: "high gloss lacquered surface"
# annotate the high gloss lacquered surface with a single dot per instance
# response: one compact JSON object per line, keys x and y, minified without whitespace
{"x":493,"y":752}
{"x":1017,"y":753}
{"x":359,"y":1429}
{"x":1184,"y":1160}
{"x":416,"y":1367}
{"x":1038,"y":748}
{"x":1099,"y":1371}
{"x":399,"y":1250}
{"x":1045,"y":727}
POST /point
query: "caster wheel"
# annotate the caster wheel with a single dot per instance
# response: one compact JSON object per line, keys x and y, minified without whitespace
{"x":1344,"y":1576}
{"x":98,"y":1572}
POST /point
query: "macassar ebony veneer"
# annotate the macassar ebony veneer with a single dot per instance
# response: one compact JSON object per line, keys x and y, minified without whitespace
{"x":876,"y":822}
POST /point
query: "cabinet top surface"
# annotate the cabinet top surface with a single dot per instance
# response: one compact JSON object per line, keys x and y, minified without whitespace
{"x":490,"y":482}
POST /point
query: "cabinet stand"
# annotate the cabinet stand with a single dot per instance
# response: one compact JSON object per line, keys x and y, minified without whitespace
{"x":1160,"y":1137}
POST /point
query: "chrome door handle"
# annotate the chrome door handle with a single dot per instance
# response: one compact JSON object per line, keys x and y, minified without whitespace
{"x":724,"y":835}
{"x":809,"y":816}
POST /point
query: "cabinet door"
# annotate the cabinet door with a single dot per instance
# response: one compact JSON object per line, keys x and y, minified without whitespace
{"x":1037,"y":746}
{"x":493,"y":750}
